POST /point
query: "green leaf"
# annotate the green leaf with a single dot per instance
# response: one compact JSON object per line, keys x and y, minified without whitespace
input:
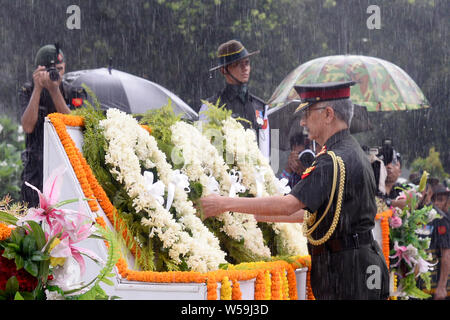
{"x":18,"y":296}
{"x":38,"y":234}
{"x":31,"y":267}
{"x":108,"y":281}
{"x":12,"y":286}
{"x":9,"y":253}
{"x":29,"y":245}
{"x":13,"y":246}
{"x":19,"y":261}
{"x":8,"y":218}
{"x":39,"y":256}
{"x":62,"y":203}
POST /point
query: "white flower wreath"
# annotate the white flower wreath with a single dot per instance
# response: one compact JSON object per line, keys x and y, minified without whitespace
{"x":259,"y":178}
{"x":201,"y":162}
{"x":128,"y":146}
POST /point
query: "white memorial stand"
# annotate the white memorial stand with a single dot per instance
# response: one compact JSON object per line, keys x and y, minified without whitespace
{"x":55,"y":156}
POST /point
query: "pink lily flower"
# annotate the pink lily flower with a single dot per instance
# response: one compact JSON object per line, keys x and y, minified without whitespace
{"x":421,"y":266}
{"x":80,"y":229}
{"x":406,"y":253}
{"x":47,"y":199}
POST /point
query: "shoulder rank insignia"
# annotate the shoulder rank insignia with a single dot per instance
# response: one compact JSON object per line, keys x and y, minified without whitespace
{"x":308,"y":171}
{"x":322,"y":151}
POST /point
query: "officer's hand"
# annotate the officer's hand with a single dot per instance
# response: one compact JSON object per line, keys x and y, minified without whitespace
{"x":210,"y":206}
{"x":38,"y":77}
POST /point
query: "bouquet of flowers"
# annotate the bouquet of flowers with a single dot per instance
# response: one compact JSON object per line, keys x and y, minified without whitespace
{"x":40,"y":255}
{"x":410,"y":259}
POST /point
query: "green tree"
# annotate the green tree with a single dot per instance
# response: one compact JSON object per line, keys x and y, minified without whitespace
{"x":12,"y":142}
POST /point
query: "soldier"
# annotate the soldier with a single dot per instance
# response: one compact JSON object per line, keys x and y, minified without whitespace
{"x":234,"y":64}
{"x":37,"y":99}
{"x":440,"y":243}
{"x":337,"y":194}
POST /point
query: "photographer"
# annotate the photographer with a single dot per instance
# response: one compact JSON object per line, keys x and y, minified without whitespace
{"x":300,"y":158}
{"x":42,"y":96}
{"x":392,"y":162}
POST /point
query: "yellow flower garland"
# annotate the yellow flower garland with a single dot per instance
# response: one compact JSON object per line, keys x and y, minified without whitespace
{"x":225,"y":289}
{"x":274,"y":279}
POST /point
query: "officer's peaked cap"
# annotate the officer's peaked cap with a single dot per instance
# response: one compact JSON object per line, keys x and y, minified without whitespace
{"x":317,"y":92}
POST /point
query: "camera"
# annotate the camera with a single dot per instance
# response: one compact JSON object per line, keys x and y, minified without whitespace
{"x":52,"y":71}
{"x":306,"y":157}
{"x":387,"y":153}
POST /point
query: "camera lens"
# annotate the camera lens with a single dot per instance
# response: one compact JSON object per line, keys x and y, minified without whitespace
{"x":306,"y":157}
{"x":53,"y":74}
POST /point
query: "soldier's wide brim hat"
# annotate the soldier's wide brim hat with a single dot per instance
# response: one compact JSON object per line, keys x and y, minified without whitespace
{"x":314,"y":93}
{"x":47,"y":54}
{"x":230,"y":52}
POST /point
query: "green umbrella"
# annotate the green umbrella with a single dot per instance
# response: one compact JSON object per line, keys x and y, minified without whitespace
{"x":380,"y":85}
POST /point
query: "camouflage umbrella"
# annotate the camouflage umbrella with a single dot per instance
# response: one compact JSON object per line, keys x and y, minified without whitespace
{"x":380,"y":85}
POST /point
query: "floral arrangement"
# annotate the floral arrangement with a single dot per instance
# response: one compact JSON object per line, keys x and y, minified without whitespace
{"x":106,"y":190}
{"x":40,"y":255}
{"x":253,"y":176}
{"x":193,"y":154}
{"x":130,"y":149}
{"x":154,"y":181}
{"x":410,"y":261}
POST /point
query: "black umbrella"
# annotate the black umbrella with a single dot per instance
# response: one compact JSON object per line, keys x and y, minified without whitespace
{"x":126,"y":92}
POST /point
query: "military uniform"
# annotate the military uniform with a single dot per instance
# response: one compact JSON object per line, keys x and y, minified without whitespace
{"x":440,"y":239}
{"x":238,"y":99}
{"x":32,"y":157}
{"x":242,"y":104}
{"x":349,"y":264}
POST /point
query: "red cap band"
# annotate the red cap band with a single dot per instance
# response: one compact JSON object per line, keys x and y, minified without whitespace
{"x":328,"y":94}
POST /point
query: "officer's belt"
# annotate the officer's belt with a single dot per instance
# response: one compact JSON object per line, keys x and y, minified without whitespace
{"x":352,"y":241}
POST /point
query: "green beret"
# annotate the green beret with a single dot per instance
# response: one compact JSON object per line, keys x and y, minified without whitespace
{"x":47,"y":54}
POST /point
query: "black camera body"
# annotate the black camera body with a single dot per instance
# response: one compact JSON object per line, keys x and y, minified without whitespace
{"x":306,"y":157}
{"x":387,"y":153}
{"x":52,"y":71}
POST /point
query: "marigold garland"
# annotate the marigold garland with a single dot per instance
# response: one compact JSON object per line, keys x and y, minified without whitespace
{"x":268,"y":285}
{"x":236,"y":291}
{"x":276,"y":291}
{"x":260,"y":287}
{"x":225,"y":289}
{"x":285,"y":285}
{"x":309,"y":292}
{"x":60,"y":122}
{"x":275,"y":279}
{"x":384,"y":223}
{"x":5,"y":231}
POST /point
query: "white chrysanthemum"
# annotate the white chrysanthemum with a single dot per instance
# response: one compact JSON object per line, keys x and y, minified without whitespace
{"x":202,"y":161}
{"x":128,"y":146}
{"x":242,"y":146}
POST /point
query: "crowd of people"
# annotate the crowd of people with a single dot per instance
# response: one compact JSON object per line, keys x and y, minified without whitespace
{"x":322,"y":156}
